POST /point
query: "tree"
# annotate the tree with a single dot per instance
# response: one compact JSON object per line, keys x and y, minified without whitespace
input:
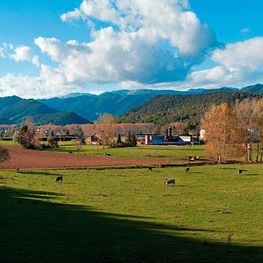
{"x":4,"y":154}
{"x":106,"y":129}
{"x":106,"y":118}
{"x":26,"y":135}
{"x":80,"y":135}
{"x":223,"y":133}
{"x":119,"y":142}
{"x":51,"y":142}
{"x":250,"y":115}
{"x":131,"y":139}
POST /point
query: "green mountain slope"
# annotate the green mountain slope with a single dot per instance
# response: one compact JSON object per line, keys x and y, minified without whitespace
{"x":172,"y":108}
{"x":255,"y":89}
{"x":14,"y":110}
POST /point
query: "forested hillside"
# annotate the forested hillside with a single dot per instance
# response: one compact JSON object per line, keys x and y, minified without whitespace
{"x":14,"y":109}
{"x":172,"y":108}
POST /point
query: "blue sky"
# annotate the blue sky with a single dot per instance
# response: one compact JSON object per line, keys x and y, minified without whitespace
{"x":228,"y":18}
{"x":55,"y":47}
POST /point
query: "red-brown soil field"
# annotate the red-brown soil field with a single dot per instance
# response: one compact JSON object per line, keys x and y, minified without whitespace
{"x":22,"y":158}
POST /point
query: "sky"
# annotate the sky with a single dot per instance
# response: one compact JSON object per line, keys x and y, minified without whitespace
{"x":53,"y":48}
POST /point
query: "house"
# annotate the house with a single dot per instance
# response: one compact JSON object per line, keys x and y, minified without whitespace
{"x":157,"y":139}
{"x":186,"y":139}
{"x":93,"y":139}
{"x":202,"y":135}
{"x":148,"y":139}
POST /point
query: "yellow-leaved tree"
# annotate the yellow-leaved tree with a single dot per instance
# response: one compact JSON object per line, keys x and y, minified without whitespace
{"x":223,"y":134}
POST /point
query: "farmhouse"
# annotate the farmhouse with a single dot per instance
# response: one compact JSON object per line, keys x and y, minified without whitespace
{"x":94,"y":139}
{"x":160,"y":139}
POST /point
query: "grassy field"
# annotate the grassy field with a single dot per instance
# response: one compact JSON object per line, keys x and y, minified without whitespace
{"x":212,"y":214}
{"x":149,"y":151}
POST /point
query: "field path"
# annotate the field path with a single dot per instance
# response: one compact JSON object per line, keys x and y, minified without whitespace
{"x":22,"y":158}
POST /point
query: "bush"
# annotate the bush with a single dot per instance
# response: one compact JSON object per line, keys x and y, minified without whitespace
{"x":4,"y":154}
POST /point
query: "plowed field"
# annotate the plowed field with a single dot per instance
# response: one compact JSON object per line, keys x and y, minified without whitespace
{"x":22,"y":158}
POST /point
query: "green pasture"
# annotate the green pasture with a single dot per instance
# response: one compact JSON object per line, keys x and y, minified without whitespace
{"x":138,"y":152}
{"x":211,"y":214}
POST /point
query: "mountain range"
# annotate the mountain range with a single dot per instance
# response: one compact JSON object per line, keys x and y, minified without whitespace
{"x":14,"y":109}
{"x":84,"y":108}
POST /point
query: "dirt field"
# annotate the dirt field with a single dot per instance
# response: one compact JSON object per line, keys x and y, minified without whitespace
{"x":22,"y":158}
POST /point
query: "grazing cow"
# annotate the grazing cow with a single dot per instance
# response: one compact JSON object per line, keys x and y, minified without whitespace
{"x":170,"y":181}
{"x":187,"y":169}
{"x":229,"y":238}
{"x":191,"y":158}
{"x":240,"y":171}
{"x":59,"y":179}
{"x":150,"y":168}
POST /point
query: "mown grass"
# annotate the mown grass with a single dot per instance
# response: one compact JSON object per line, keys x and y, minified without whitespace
{"x":212,"y":214}
{"x":148,"y":151}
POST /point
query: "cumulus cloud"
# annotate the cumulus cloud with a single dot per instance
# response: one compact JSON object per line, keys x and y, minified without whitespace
{"x":238,"y":64}
{"x":114,"y":57}
{"x":153,"y":21}
{"x":49,"y":83}
{"x":25,"y":53}
{"x":141,"y":42}
{"x":18,"y":54}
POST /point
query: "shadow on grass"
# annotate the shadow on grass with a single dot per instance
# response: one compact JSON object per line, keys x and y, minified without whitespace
{"x":36,"y":230}
{"x":251,"y":174}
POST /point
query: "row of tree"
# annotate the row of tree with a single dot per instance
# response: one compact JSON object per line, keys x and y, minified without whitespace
{"x":28,"y":136}
{"x":235,"y":131}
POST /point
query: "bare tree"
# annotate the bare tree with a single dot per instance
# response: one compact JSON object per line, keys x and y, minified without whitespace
{"x":250,"y":115}
{"x":106,"y":129}
{"x":223,"y":133}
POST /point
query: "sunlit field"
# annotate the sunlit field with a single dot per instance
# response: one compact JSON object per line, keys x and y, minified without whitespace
{"x":211,"y":214}
{"x":147,"y":151}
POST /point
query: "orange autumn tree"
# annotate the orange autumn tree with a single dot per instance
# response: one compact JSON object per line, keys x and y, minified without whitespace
{"x":223,"y":134}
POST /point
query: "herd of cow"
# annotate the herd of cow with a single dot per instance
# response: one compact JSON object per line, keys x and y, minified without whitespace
{"x":168,"y":181}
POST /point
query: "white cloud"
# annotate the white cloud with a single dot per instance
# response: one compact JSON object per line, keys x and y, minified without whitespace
{"x":246,"y":54}
{"x":2,"y":52}
{"x":49,"y":83}
{"x":24,"y":53}
{"x":72,"y":15}
{"x":50,"y":46}
{"x":239,"y":64}
{"x":153,"y":21}
{"x":114,"y":57}
{"x":143,"y":42}
{"x":18,"y":54}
